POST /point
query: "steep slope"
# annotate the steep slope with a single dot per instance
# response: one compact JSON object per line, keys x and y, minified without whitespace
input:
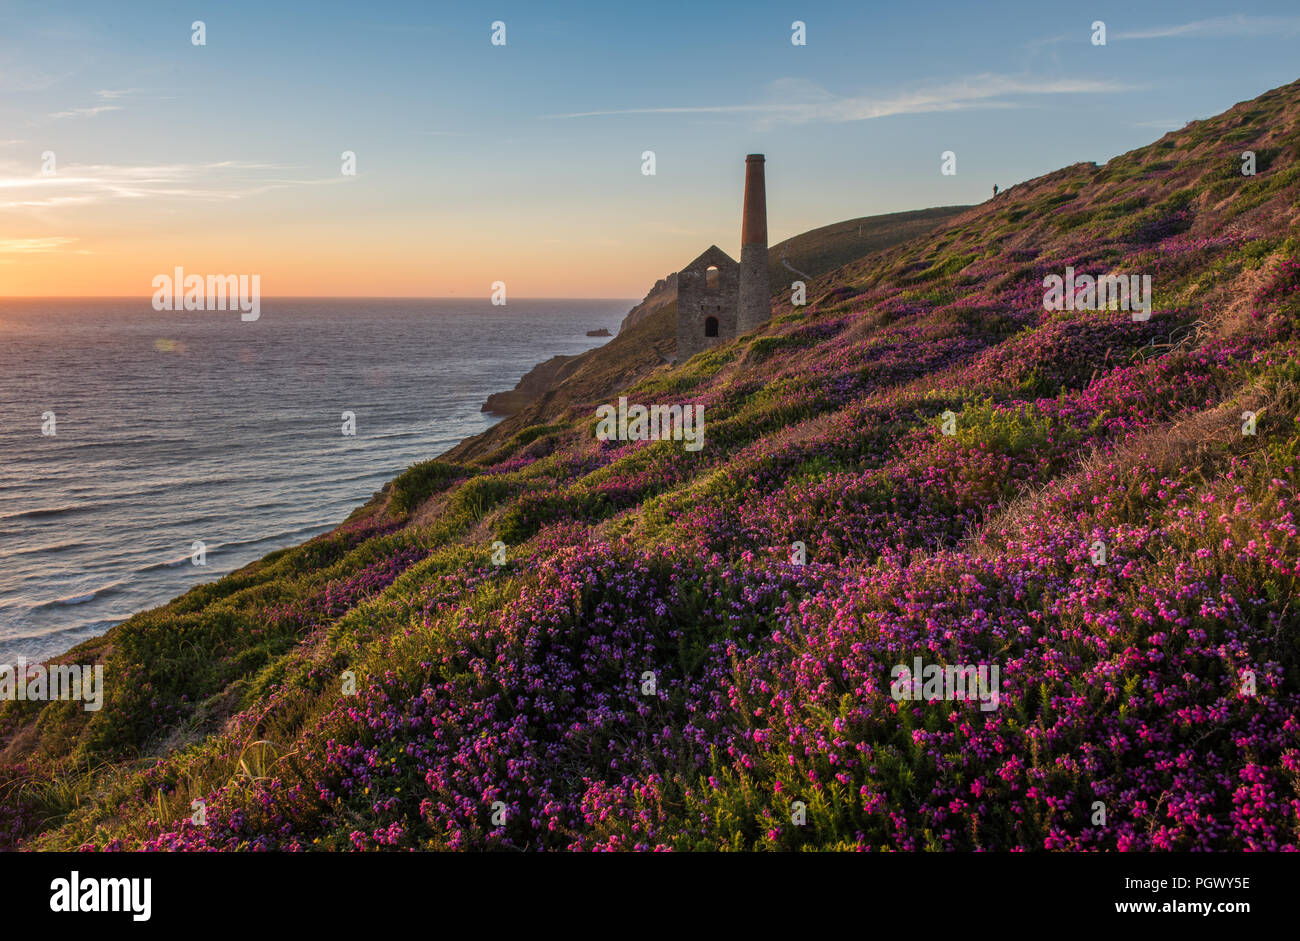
{"x":820,"y":251}
{"x":807,"y":255}
{"x":535,"y":383}
{"x":614,"y":639}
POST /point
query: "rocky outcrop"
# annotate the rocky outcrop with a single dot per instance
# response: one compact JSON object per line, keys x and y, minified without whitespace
{"x":661,"y":295}
{"x":582,"y":382}
{"x":531,"y":387}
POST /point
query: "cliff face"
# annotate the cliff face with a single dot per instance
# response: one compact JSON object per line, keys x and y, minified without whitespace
{"x":633,"y":645}
{"x":583,"y":381}
{"x":660,"y":296}
{"x":534,"y":384}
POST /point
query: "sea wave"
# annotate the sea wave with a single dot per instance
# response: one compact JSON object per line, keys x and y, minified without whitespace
{"x":43,"y":549}
{"x":82,"y":598}
{"x":42,"y":511}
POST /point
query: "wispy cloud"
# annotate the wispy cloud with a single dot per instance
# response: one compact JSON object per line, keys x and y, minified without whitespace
{"x":34,"y":246}
{"x":81,"y":185}
{"x":798,"y":101}
{"x":1053,"y":40}
{"x":83,"y":112}
{"x":108,"y":98}
{"x":1238,"y":25}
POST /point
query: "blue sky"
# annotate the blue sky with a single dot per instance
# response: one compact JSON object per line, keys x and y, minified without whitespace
{"x":523,"y":161}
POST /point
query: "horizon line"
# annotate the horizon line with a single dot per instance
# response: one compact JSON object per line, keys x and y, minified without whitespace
{"x":341,"y":297}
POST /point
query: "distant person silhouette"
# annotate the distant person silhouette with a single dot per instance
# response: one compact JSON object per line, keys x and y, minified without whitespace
{"x":995,"y":189}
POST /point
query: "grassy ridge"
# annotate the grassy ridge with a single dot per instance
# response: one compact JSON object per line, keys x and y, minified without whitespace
{"x":823,"y":250}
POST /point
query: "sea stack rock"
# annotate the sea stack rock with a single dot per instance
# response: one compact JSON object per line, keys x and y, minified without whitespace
{"x":755,"y":305}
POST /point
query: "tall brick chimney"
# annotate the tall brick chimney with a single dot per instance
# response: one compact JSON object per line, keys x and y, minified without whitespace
{"x":755,"y":306}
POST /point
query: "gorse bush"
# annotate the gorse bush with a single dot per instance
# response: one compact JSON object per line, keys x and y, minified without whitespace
{"x":419,"y":482}
{"x":1010,"y":431}
{"x":477,"y":496}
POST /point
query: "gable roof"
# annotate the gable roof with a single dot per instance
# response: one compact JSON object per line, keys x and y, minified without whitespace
{"x":711,"y":256}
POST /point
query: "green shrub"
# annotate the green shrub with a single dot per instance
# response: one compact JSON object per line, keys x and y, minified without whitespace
{"x":532,"y":433}
{"x":419,"y":482}
{"x":477,"y":496}
{"x":950,"y":266}
{"x":1006,"y":430}
{"x":764,"y":347}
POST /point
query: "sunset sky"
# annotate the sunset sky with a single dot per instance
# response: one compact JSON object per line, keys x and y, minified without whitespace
{"x":522,"y":163}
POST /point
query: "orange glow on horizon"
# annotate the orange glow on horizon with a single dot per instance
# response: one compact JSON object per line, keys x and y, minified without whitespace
{"x":295,"y":269}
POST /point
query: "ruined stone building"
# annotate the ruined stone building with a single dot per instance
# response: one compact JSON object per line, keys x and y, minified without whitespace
{"x":707,"y":295}
{"x":718,"y":299}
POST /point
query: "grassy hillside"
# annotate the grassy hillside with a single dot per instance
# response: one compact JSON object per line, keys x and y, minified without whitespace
{"x":648,"y":669}
{"x":822,"y":250}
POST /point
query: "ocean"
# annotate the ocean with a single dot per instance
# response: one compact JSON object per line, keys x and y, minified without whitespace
{"x":178,"y":427}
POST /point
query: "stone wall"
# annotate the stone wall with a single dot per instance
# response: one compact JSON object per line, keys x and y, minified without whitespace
{"x":697,"y":301}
